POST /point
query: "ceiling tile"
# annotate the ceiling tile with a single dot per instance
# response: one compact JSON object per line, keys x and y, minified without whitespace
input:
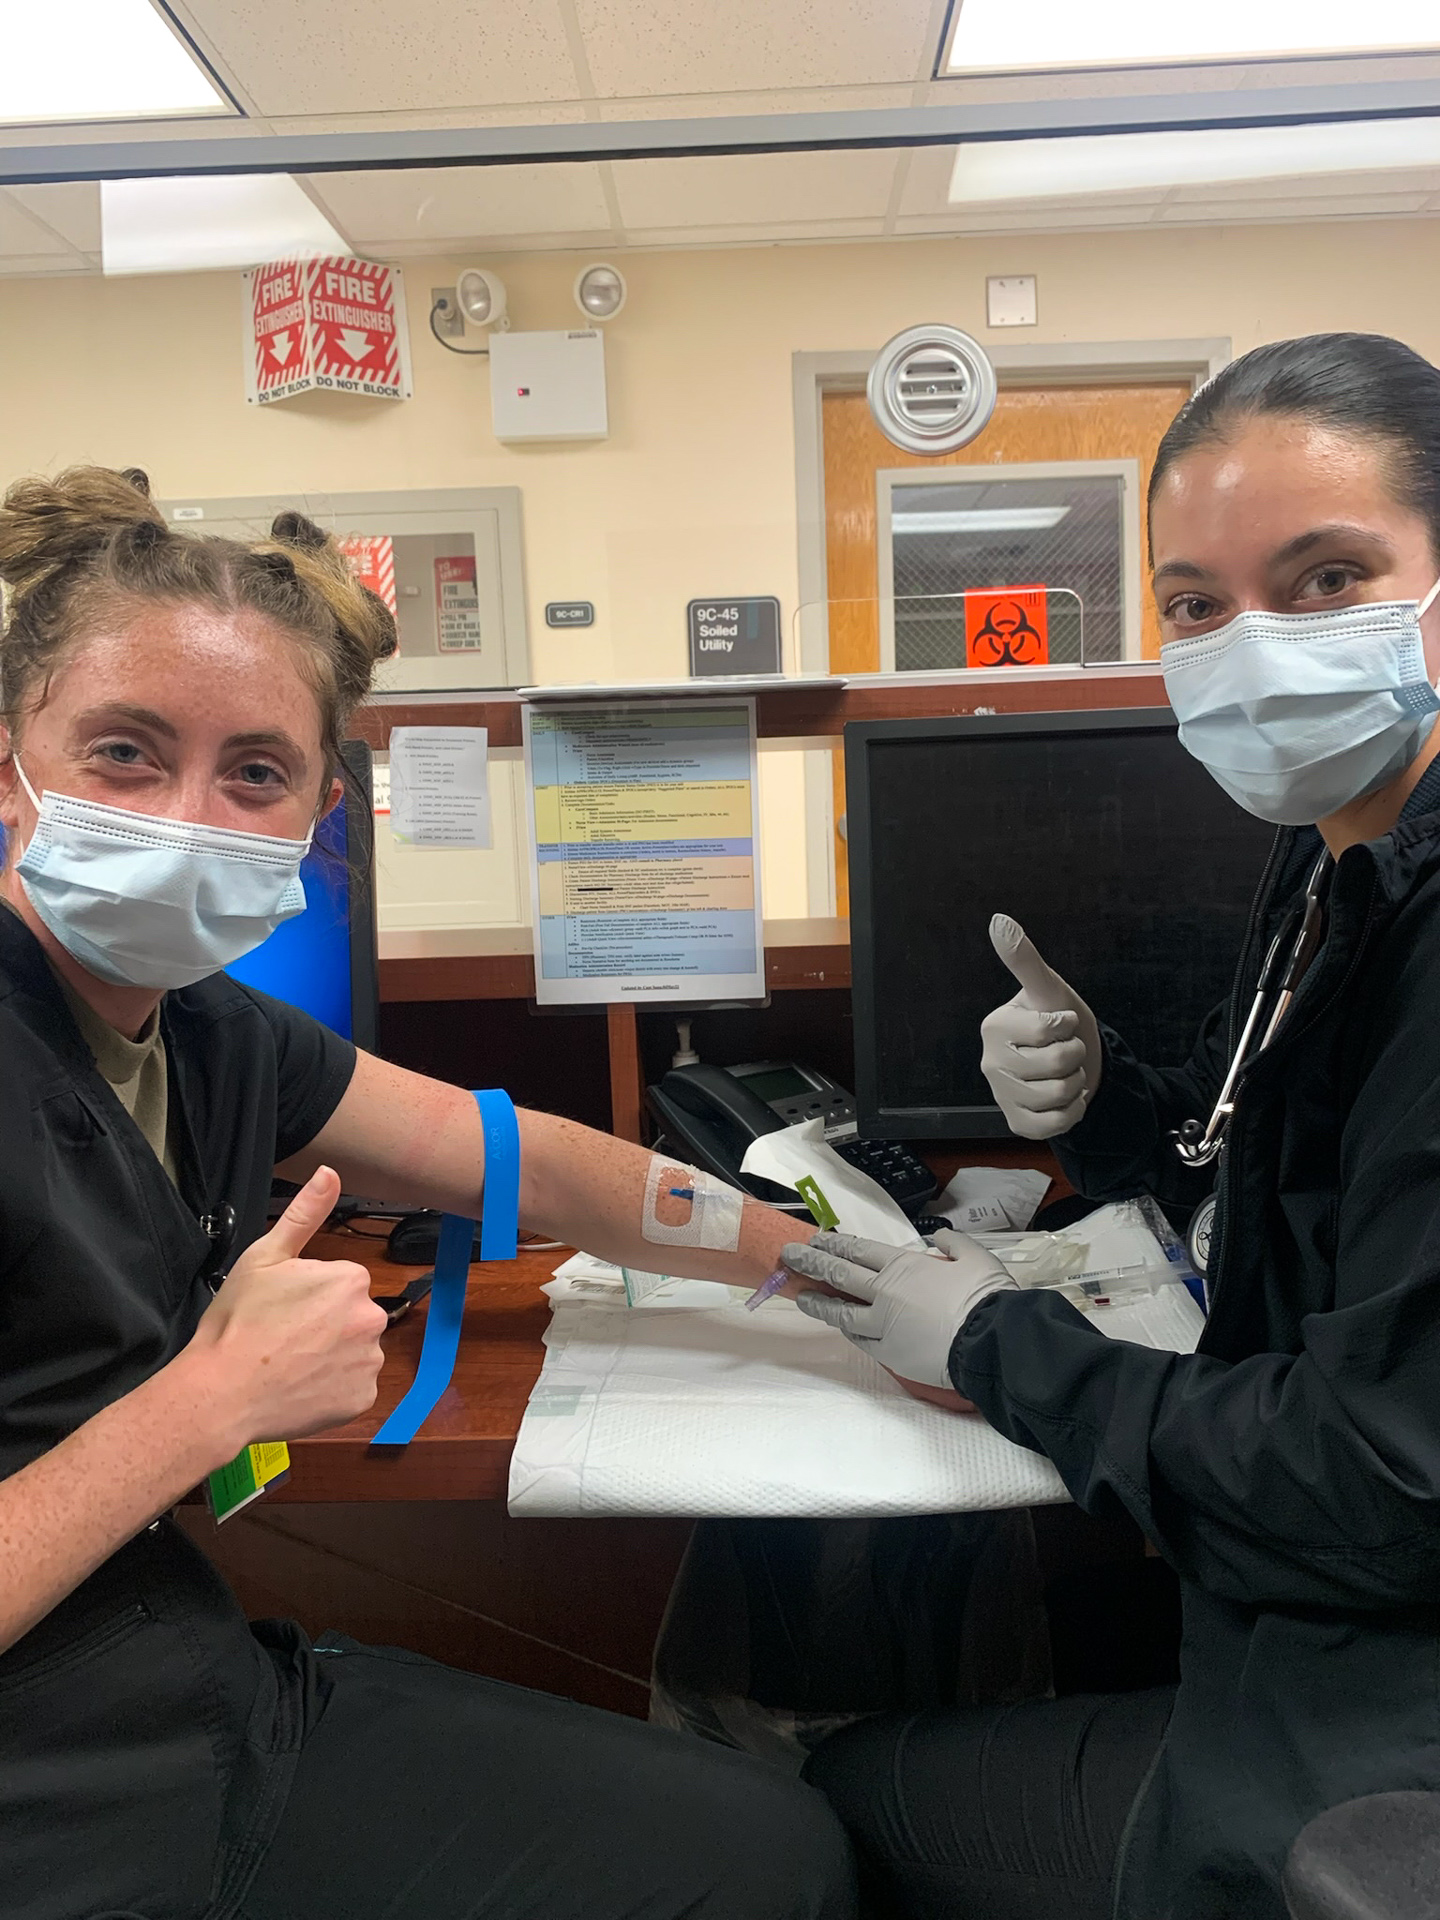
{"x":753,"y":189}
{"x":476,"y":205}
{"x":1320,"y":186}
{"x":1337,"y":207}
{"x":757,"y":235}
{"x":24,"y":238}
{"x":728,"y":46}
{"x":35,"y":266}
{"x":70,"y":209}
{"x":1031,"y":217}
{"x":927,"y":180}
{"x":368,"y":56}
{"x":705,"y":106}
{"x":927,"y":192}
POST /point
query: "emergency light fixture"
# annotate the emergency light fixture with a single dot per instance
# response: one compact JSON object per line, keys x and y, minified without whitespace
{"x":600,"y":291}
{"x":480,"y":296}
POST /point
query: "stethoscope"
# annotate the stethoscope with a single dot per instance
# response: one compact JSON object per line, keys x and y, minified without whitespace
{"x":1304,"y":928}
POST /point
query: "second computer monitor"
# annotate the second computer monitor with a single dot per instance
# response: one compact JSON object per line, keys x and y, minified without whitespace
{"x":1119,"y":855}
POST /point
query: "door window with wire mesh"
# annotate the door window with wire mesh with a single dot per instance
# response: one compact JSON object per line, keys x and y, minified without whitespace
{"x":1068,"y":529}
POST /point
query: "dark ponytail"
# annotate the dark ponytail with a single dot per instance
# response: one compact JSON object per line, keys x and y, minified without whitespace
{"x":1362,"y":384}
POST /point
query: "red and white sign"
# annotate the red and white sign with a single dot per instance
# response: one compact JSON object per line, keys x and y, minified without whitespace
{"x":279,"y":335}
{"x":1007,"y":627}
{"x":457,"y":603}
{"x":372,"y":560}
{"x":357,"y":320}
{"x":337,"y":324}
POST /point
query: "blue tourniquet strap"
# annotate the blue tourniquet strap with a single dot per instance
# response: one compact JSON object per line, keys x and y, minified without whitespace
{"x":499,"y":1231}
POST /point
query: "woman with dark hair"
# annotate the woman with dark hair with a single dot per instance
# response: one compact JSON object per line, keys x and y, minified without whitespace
{"x":1290,"y":1470}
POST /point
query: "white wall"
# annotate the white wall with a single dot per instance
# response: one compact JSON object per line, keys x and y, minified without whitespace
{"x":693,"y":493}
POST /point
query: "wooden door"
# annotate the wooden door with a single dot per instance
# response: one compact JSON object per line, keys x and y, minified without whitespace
{"x":1029,"y":424}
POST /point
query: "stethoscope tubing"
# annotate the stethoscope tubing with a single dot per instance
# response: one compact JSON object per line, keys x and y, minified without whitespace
{"x":1304,"y":926}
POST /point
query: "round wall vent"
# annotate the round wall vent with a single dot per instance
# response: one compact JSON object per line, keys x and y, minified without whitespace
{"x":931,"y":389}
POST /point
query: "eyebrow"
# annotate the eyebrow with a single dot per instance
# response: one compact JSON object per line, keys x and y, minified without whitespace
{"x":1317,"y":536}
{"x":276,"y":737}
{"x":1295,"y":549}
{"x":138,"y":716}
{"x":117,"y":710}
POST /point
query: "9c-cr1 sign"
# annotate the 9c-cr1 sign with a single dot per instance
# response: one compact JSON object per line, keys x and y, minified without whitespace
{"x":734,"y":636}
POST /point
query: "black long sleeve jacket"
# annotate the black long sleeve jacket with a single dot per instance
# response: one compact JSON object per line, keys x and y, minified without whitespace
{"x":1289,"y":1470}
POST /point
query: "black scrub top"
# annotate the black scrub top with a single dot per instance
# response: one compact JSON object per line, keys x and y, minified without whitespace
{"x":100,"y":1253}
{"x":142,"y":1721}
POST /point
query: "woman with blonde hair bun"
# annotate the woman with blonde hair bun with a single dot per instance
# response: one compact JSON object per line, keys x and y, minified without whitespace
{"x":173,"y":709}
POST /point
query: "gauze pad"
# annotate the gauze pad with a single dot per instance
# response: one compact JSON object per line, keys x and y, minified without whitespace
{"x":715,"y":1209}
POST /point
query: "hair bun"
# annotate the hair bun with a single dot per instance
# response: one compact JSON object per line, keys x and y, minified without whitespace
{"x":297,"y":531}
{"x":385,"y":639}
{"x":49,"y":525}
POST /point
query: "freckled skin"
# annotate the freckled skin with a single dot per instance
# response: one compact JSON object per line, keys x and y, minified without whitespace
{"x":193,"y":715}
{"x":211,"y":676}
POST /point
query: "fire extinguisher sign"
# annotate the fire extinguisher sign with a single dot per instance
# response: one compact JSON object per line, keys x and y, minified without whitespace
{"x":457,"y":603}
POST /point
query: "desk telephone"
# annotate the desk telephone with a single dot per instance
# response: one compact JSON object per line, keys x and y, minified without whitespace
{"x":708,"y":1115}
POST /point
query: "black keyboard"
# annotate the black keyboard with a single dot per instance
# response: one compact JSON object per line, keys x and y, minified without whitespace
{"x":903,"y":1174}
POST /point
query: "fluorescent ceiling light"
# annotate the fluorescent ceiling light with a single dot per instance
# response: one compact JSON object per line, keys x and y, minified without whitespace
{"x":1128,"y":162}
{"x":980,"y":520}
{"x":96,"y":60}
{"x":191,"y":225}
{"x":1027,"y":35}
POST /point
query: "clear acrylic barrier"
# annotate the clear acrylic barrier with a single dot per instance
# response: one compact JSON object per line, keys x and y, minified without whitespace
{"x":986,"y":629}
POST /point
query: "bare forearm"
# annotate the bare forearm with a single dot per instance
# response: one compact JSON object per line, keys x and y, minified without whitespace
{"x":588,"y":1189}
{"x":68,"y":1511}
{"x":400,"y":1136}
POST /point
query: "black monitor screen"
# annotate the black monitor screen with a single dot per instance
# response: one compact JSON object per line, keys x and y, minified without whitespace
{"x":324,"y":960}
{"x":1129,"y":868}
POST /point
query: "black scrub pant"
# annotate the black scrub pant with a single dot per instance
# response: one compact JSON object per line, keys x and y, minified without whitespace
{"x":426,"y":1794}
{"x":993,"y":1813}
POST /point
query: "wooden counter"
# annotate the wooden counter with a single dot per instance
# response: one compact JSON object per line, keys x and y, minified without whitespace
{"x":463,"y":1450}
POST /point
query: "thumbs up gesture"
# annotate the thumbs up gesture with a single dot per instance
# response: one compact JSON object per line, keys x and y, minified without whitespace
{"x":289,"y":1345}
{"x":1041,"y":1051}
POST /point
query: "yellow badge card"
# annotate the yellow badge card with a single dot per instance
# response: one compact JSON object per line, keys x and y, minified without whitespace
{"x":252,"y":1472}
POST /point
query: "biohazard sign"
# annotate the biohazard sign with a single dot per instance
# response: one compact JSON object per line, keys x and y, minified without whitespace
{"x":372,"y":561}
{"x":336,"y":324}
{"x":1007,"y":627}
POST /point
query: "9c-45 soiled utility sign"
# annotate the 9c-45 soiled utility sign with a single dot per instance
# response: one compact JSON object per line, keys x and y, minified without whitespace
{"x":734,"y":636}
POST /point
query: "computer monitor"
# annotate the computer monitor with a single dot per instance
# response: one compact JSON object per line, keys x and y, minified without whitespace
{"x":324,"y":960}
{"x":1113,"y":848}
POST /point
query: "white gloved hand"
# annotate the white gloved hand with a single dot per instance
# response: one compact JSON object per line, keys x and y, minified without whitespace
{"x":909,"y":1305}
{"x":1041,"y":1051}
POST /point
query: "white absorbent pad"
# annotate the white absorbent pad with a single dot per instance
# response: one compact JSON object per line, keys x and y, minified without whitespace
{"x":713,"y":1412}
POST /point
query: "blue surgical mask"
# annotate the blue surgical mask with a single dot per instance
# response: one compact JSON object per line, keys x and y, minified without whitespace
{"x":142,"y":901}
{"x":1298,"y":714}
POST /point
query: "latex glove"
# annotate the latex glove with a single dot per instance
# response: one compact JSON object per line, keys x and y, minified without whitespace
{"x":909,"y":1302}
{"x":1041,"y":1051}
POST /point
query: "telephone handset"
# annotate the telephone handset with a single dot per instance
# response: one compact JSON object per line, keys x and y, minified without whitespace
{"x":708,"y":1116}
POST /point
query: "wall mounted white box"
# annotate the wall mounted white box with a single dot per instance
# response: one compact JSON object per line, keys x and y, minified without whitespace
{"x":548,"y":386}
{"x":1010,"y":300}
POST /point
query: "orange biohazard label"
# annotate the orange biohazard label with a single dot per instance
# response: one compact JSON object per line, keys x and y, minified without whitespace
{"x":1007,"y":627}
